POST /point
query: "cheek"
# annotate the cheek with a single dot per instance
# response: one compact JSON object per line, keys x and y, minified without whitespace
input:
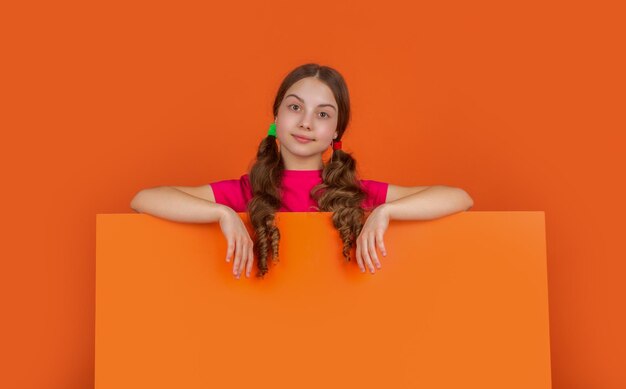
{"x":282,"y":122}
{"x":329,"y":129}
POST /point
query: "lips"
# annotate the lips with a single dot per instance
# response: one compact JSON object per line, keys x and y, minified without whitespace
{"x":301,"y":137}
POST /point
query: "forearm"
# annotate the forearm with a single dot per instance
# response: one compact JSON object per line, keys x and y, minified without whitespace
{"x":172,"y":204}
{"x":432,"y":203}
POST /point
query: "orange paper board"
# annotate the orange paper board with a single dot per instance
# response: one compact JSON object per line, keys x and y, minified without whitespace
{"x":460,"y":302}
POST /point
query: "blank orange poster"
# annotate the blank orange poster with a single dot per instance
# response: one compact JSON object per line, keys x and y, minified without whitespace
{"x":460,"y":302}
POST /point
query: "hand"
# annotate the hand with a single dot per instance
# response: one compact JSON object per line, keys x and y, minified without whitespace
{"x":371,"y":237}
{"x":239,"y":242}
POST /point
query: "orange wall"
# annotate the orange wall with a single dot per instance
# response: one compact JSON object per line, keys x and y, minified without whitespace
{"x":520,"y":105}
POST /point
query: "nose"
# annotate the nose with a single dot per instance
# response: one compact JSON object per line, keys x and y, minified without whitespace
{"x":306,"y":122}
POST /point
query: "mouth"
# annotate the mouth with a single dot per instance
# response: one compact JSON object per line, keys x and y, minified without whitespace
{"x":302,"y":138}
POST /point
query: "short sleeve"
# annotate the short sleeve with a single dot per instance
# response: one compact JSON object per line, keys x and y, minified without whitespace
{"x":376,"y":193}
{"x":235,"y":193}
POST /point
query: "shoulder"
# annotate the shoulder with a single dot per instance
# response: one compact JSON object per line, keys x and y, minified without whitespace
{"x":376,"y":192}
{"x":234,"y":193}
{"x":233,"y":182}
{"x":369,"y":185}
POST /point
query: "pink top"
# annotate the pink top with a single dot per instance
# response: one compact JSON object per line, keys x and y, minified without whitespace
{"x":297,"y":185}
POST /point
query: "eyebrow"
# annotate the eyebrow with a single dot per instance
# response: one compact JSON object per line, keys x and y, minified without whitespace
{"x":321,"y":105}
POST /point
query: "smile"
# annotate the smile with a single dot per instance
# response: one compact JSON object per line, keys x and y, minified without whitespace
{"x":302,"y":140}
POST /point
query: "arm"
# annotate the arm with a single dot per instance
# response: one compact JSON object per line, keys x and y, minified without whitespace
{"x":176,"y":205}
{"x":430,"y":203}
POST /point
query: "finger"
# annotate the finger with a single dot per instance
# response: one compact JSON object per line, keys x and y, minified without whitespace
{"x":359,"y":260}
{"x":381,"y":243}
{"x":366,"y":256}
{"x":372,"y":251}
{"x":230,"y":249}
{"x":250,"y":261}
{"x":244,"y":253}
{"x":237,"y":257}
{"x":245,"y":258}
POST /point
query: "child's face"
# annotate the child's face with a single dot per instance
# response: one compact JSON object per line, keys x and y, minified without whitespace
{"x":306,"y":118}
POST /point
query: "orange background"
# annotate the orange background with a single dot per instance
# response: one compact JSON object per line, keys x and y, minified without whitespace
{"x":460,"y":302}
{"x":522,"y":105}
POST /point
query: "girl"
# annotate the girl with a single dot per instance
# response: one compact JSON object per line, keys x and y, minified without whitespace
{"x":311,"y":112}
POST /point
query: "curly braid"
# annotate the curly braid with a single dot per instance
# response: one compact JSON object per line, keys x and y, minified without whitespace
{"x":341,"y":193}
{"x":265,"y":177}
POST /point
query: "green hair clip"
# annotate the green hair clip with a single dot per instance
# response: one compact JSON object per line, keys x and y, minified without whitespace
{"x":272,"y":130}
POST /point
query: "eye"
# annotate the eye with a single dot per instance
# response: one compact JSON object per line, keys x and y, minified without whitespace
{"x":296,"y":105}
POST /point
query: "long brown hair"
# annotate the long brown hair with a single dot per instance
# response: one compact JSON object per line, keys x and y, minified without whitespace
{"x":340,"y":191}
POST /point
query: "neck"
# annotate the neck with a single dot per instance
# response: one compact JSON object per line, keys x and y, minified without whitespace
{"x":292,"y":162}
